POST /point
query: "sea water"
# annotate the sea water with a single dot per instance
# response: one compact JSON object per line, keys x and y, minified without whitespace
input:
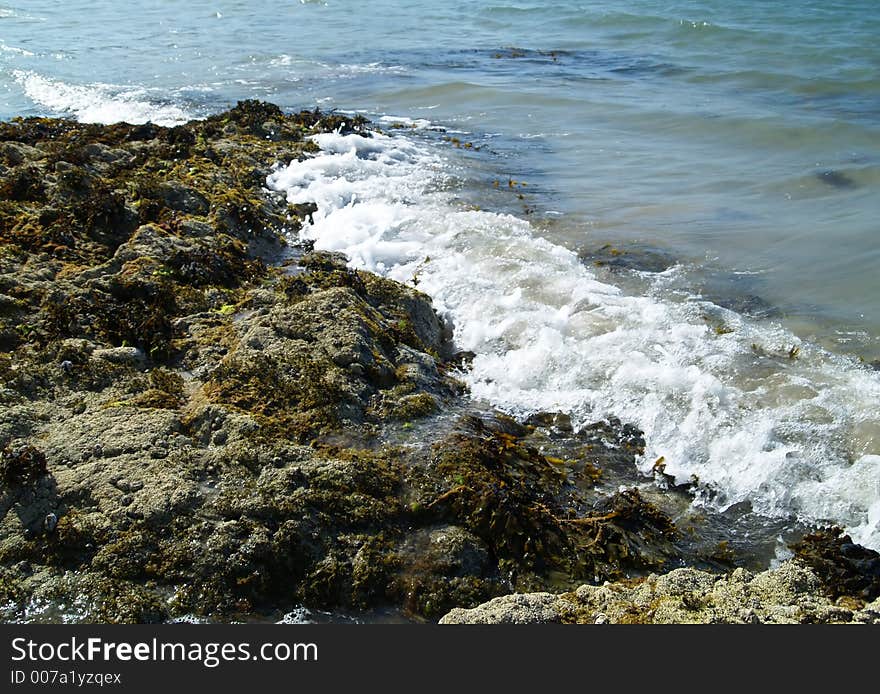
{"x":740,"y":142}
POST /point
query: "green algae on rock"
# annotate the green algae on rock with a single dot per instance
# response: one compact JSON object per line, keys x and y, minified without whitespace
{"x":202,"y":417}
{"x":845,"y":568}
{"x":207,"y":401}
{"x":830,"y":580}
{"x":789,"y":594}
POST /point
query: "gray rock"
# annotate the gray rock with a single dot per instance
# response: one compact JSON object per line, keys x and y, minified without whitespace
{"x":788,"y":594}
{"x":183,"y":198}
{"x":128,"y":356}
{"x":525,"y":608}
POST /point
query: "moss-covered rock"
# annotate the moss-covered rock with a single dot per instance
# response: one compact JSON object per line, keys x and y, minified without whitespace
{"x":845,"y":568}
{"x":786,"y":595}
{"x":200,"y":416}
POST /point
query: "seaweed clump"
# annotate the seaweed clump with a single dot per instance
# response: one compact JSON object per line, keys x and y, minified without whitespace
{"x":845,"y":568}
{"x":535,"y":521}
{"x":20,"y":464}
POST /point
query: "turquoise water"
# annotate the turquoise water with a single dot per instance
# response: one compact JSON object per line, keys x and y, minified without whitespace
{"x":738,"y":142}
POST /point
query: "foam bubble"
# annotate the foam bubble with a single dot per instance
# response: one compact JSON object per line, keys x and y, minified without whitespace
{"x":98,"y":103}
{"x":793,"y":431}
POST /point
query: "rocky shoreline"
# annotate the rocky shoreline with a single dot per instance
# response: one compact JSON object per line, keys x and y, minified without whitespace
{"x":199,"y":418}
{"x":789,"y":594}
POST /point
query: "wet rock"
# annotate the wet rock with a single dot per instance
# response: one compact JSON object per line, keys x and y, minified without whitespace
{"x":843,"y":567}
{"x":723,"y":292}
{"x":459,"y":550}
{"x":557,"y":421}
{"x":50,"y":522}
{"x":443,"y":567}
{"x":637,"y":258}
{"x":836,"y":179}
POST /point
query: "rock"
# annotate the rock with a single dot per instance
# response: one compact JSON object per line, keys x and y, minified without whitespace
{"x":530,"y":608}
{"x":844,"y":567}
{"x":128,"y":356}
{"x":183,"y":198}
{"x":169,"y":373}
{"x":789,"y":594}
{"x":50,"y":522}
{"x":633,"y":257}
{"x":836,"y":179}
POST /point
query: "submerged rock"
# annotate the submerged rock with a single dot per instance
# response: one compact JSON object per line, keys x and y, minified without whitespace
{"x":633,"y":257}
{"x":836,"y":179}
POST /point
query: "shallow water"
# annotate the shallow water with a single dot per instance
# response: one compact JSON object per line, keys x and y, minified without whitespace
{"x":736,"y":136}
{"x":739,"y":141}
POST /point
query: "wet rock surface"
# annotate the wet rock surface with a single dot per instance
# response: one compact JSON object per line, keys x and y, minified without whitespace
{"x":199,"y":417}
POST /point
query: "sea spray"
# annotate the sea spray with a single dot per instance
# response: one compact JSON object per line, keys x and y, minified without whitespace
{"x":749,"y":409}
{"x":99,"y":103}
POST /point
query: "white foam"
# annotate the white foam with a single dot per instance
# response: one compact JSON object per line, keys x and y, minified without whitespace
{"x":333,"y":71}
{"x":299,"y":615}
{"x":283,"y":60}
{"x":350,"y":69}
{"x":14,"y":49}
{"x":795,"y":436}
{"x":98,"y":103}
{"x":19,"y":14}
{"x":414,"y":123}
{"x":188,"y":619}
